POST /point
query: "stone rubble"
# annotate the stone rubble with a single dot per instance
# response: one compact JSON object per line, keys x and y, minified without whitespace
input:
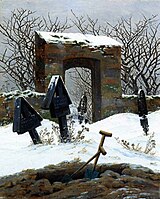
{"x":115,"y":181}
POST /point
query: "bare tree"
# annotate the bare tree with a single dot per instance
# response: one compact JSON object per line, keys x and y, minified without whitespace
{"x":86,"y":25}
{"x":140,"y":54}
{"x":140,"y":50}
{"x":18,"y":59}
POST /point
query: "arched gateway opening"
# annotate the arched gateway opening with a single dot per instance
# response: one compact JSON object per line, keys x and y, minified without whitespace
{"x":78,"y":65}
{"x":57,"y":53}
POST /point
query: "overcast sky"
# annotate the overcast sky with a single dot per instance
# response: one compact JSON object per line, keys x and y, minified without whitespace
{"x":103,"y":9}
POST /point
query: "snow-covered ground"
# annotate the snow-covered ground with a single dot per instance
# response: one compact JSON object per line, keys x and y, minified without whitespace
{"x":17,"y":152}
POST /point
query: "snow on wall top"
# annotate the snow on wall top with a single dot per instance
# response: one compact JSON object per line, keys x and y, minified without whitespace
{"x":73,"y":38}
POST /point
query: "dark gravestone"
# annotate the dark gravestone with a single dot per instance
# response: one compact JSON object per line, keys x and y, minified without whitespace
{"x":26,"y":119}
{"x":142,"y":105}
{"x":142,"y":111}
{"x":57,"y":101}
{"x":82,"y":108}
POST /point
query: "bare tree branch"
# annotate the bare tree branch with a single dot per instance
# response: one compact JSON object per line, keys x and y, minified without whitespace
{"x":18,"y":59}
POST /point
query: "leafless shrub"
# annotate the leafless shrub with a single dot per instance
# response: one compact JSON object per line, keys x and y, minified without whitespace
{"x":52,"y":137}
{"x":148,"y":149}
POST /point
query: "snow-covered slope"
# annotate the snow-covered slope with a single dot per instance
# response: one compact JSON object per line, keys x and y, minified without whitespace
{"x":18,"y":153}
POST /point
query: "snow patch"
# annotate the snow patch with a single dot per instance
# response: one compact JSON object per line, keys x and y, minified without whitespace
{"x":78,"y":38}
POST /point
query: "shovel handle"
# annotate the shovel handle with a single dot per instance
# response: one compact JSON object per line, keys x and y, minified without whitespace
{"x":105,"y":133}
{"x":102,"y":150}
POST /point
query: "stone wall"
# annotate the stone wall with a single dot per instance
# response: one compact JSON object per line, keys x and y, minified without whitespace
{"x":105,"y":65}
{"x":128,"y":104}
{"x":114,"y":106}
{"x":7,"y":101}
{"x":54,"y":58}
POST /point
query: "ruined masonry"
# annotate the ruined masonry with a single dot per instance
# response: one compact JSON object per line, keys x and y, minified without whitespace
{"x":58,"y":52}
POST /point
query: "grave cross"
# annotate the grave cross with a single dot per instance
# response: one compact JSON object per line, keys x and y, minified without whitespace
{"x":142,"y":111}
{"x":82,"y":108}
{"x":26,"y":119}
{"x":57,"y":101}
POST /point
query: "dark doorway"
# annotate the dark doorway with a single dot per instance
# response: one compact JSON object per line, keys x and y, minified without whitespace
{"x":92,"y":67}
{"x":79,"y":83}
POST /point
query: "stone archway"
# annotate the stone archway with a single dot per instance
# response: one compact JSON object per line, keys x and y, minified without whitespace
{"x":57,"y":52}
{"x":94,"y":66}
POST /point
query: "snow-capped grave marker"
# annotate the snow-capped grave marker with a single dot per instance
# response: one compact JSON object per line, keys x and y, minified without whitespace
{"x":142,"y":111}
{"x":26,"y":119}
{"x":57,"y":101}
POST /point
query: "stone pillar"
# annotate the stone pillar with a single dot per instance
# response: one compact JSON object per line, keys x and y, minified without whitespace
{"x":110,"y":80}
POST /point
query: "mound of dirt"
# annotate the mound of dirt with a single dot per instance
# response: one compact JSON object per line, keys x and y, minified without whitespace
{"x":109,"y":181}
